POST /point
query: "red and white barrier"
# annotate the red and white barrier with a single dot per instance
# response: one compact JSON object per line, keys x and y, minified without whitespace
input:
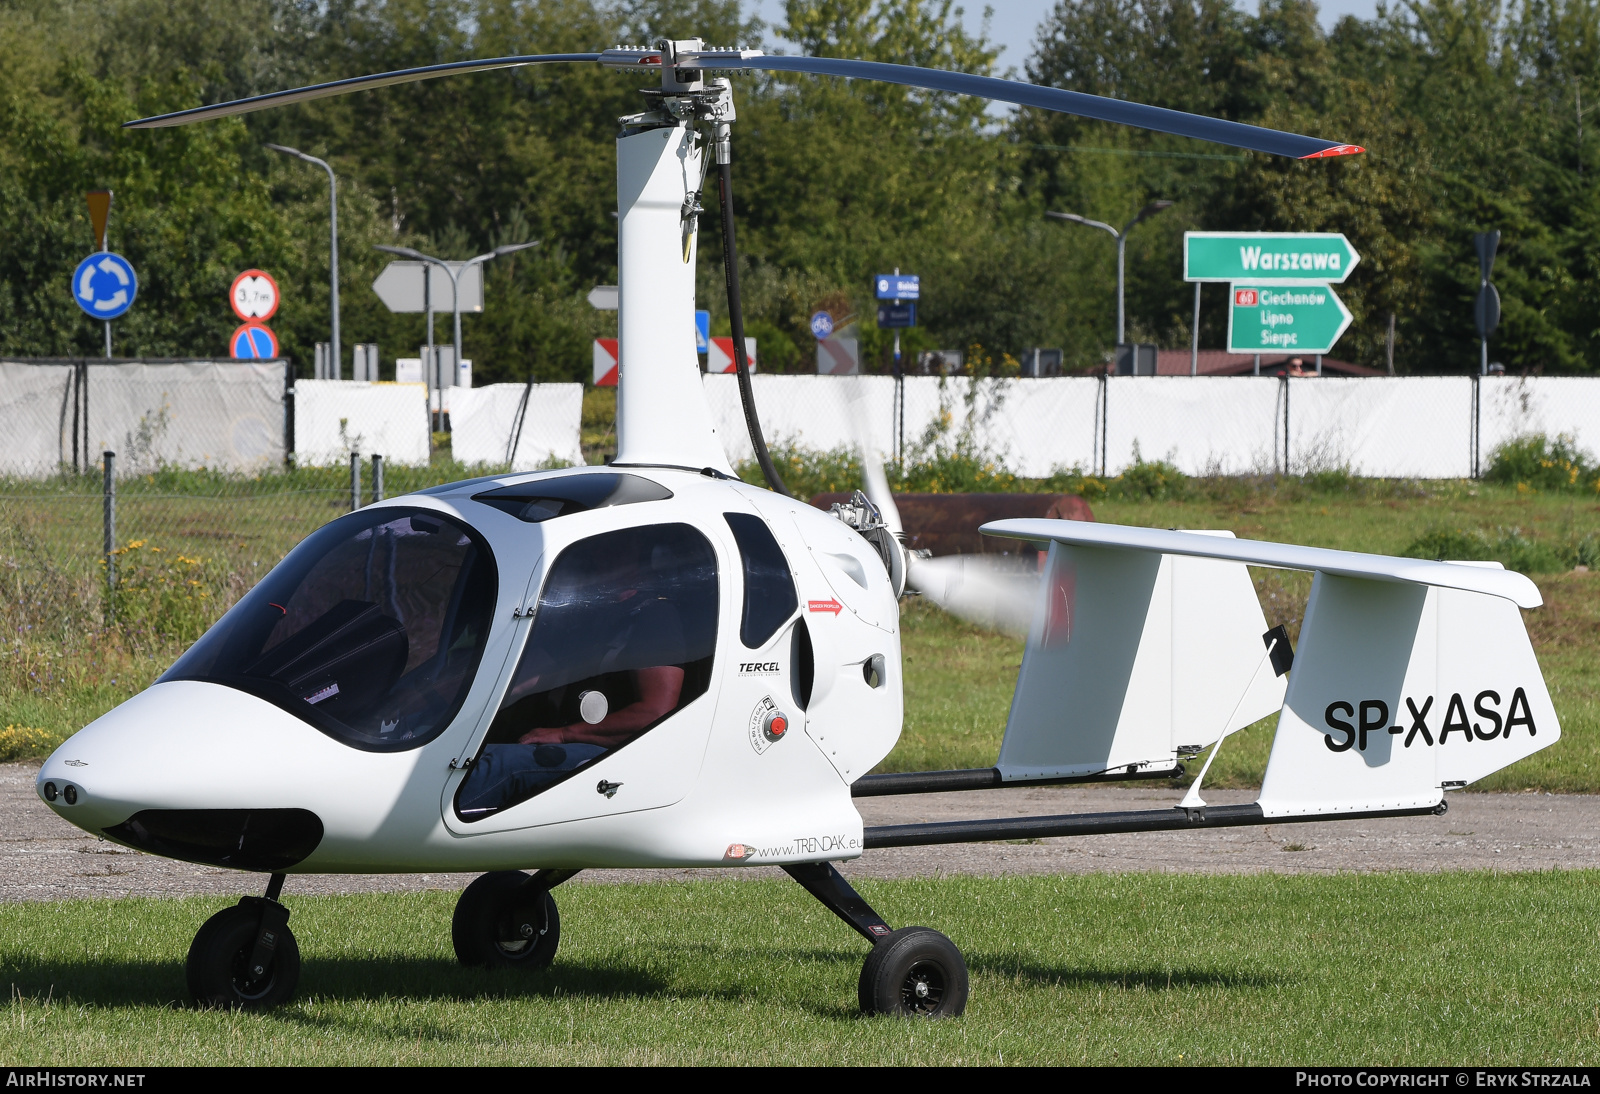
{"x":605,"y":362}
{"x":719,"y":359}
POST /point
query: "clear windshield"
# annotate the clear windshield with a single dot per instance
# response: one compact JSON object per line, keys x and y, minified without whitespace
{"x":370,"y":630}
{"x":623,"y":638}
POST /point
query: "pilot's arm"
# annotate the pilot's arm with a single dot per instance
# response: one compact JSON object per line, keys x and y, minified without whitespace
{"x":659,"y":688}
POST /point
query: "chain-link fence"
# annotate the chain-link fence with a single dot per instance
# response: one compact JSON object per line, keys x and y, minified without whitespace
{"x":516,"y":426}
{"x":1382,"y":427}
{"x":61,"y":414}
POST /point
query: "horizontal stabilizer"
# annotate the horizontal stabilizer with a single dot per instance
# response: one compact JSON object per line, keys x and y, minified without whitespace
{"x":1479,"y":579}
{"x":1132,"y":657}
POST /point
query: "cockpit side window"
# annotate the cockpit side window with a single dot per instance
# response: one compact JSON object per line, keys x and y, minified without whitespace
{"x":622,"y":638}
{"x":769,"y":594}
{"x":371,"y":629}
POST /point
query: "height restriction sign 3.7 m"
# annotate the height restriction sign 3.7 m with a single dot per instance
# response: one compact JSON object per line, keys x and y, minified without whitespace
{"x":254,"y":296}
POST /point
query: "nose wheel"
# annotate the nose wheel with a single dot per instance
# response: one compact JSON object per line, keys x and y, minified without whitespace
{"x":245,"y":957}
{"x":508,"y":920}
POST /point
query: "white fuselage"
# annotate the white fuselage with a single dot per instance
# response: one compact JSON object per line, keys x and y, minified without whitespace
{"x":690,"y":788}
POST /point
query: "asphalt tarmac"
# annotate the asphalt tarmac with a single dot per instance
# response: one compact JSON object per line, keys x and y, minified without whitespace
{"x":44,"y":858}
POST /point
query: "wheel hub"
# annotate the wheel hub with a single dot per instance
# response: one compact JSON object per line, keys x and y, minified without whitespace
{"x":923,"y":989}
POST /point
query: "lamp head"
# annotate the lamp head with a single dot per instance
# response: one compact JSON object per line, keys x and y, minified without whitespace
{"x":512,"y":248}
{"x":403,"y":252}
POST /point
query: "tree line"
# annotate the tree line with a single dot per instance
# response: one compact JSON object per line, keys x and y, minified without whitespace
{"x":1474,"y":113}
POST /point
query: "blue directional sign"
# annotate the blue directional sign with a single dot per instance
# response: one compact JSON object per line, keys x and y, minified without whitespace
{"x":898,"y":286}
{"x":897,"y":315}
{"x":702,"y":331}
{"x":822,"y":325}
{"x":104,"y":285}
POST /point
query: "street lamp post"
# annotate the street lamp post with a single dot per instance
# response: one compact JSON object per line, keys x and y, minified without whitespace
{"x":1122,"y":248}
{"x":454,"y":273}
{"x":333,"y":246}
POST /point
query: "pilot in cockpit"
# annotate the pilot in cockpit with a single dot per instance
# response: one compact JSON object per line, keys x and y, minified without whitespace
{"x":605,"y":662}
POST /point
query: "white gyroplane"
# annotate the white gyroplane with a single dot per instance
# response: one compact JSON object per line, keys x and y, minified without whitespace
{"x":653,"y":664}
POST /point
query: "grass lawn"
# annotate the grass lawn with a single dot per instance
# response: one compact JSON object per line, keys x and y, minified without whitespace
{"x":1374,"y":969}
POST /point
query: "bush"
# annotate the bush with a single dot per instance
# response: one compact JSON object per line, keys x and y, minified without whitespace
{"x":808,"y":473}
{"x":1538,"y":463}
{"x":26,"y":743}
{"x":162,"y":594}
{"x":1507,"y":546}
{"x":955,"y":471}
{"x":1336,"y":480}
{"x":1154,"y":480}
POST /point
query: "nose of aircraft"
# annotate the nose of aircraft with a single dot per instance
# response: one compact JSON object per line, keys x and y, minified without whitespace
{"x":204,"y":772}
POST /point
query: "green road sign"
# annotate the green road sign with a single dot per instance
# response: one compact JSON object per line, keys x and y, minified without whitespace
{"x":1268,"y":258}
{"x":1303,"y":319}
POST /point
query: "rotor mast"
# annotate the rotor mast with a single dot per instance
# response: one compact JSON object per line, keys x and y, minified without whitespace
{"x":662,"y":413}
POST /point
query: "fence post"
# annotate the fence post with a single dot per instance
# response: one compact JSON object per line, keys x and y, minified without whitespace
{"x":1286,"y":422}
{"x":110,"y":533}
{"x":355,"y":481}
{"x":1194,"y":342}
{"x":900,"y":422}
{"x":1475,"y":427}
{"x":377,"y":478}
{"x":288,"y":412}
{"x":77,"y":370}
{"x":1105,"y":410}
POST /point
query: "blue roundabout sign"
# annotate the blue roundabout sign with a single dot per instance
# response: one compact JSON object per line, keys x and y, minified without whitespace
{"x":104,"y":285}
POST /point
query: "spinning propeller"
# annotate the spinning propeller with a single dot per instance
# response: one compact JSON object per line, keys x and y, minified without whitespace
{"x":982,"y":589}
{"x":687,"y":64}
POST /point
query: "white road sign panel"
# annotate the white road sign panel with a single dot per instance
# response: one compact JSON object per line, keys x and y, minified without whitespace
{"x":400,"y":286}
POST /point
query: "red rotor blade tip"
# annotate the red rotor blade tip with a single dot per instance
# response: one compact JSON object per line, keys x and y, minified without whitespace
{"x":1336,"y":150}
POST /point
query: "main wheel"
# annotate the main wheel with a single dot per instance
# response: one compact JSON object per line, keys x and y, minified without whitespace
{"x":497,"y":926}
{"x":914,"y":971}
{"x":218,"y":970}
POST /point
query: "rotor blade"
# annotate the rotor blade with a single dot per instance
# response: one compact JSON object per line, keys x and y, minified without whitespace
{"x":979,"y":588}
{"x":1160,"y":119}
{"x":342,"y":87}
{"x":875,"y":483}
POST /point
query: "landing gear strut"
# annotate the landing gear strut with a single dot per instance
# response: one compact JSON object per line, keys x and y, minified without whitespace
{"x":508,"y":920}
{"x":914,"y":971}
{"x":245,"y":957}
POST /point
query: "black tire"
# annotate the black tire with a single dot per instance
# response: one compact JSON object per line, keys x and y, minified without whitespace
{"x":217,"y":970}
{"x":492,"y":928}
{"x":914,"y":972}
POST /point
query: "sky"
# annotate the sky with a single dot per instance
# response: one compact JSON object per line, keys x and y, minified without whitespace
{"x":1014,"y":22}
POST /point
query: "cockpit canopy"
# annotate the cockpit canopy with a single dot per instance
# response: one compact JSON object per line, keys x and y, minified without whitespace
{"x":371,"y":629}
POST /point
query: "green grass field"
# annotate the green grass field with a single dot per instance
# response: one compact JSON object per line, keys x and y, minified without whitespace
{"x":1377,"y":969}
